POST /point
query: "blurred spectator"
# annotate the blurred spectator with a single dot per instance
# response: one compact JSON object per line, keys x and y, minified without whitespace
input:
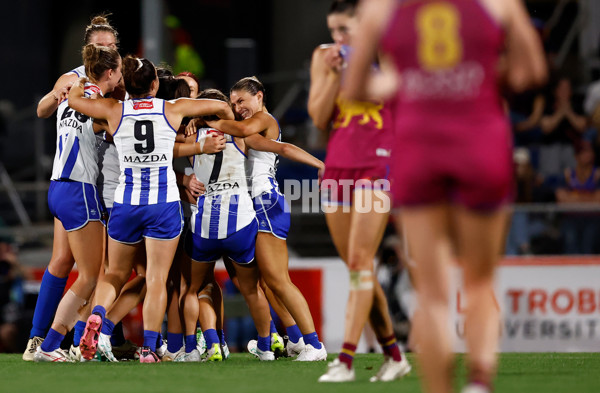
{"x":581,"y":185}
{"x":592,"y":110}
{"x":525,"y":227}
{"x":526,"y":111}
{"x":562,"y":124}
{"x":12,"y":275}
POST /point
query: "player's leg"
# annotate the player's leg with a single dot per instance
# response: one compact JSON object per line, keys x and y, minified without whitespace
{"x":159,"y":257}
{"x":427,"y":231}
{"x":272,"y":258}
{"x":193,"y":276}
{"x":51,"y":289}
{"x":121,"y":257}
{"x":208,"y":317}
{"x":86,"y":245}
{"x":339,"y":219}
{"x":366,"y":229}
{"x":480,"y":243}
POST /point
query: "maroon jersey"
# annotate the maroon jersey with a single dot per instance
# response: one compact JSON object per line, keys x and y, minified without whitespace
{"x":361,"y":135}
{"x":447,"y":54}
{"x":452,"y":138}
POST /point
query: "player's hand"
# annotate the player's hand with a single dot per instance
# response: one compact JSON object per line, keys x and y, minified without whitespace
{"x":192,"y":126}
{"x":334,"y":59}
{"x":320,"y":174}
{"x":213,"y":143}
{"x":195,"y":186}
{"x":61,"y":94}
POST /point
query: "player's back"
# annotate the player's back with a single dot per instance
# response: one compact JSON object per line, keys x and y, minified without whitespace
{"x":447,"y":54}
{"x":226,"y":206}
{"x":145,"y":141}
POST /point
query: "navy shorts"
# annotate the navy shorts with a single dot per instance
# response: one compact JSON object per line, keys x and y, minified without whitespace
{"x":74,"y":203}
{"x":239,"y":247}
{"x":130,"y":223}
{"x":273,"y":213}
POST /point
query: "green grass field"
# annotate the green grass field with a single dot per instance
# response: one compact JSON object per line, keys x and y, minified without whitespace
{"x":530,"y":372}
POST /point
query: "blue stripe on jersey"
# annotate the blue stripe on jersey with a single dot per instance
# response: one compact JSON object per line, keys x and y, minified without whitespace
{"x":128,"y":186}
{"x":120,"y":121}
{"x":238,"y":148}
{"x":198,"y":227}
{"x":234,"y":202}
{"x":145,"y":186}
{"x":162,"y":184}
{"x":71,"y":160}
{"x":60,"y":145}
{"x":215,"y":215}
{"x":143,"y":114}
{"x":165,"y":116}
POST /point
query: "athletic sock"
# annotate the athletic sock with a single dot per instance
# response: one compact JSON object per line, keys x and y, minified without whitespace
{"x":99,"y":310}
{"x":273,"y":329}
{"x":293,"y":333}
{"x":174,"y":341}
{"x":150,"y":339}
{"x":52,"y":341}
{"x":78,"y":332}
{"x":221,"y":334}
{"x":51,"y":291}
{"x":211,"y":337}
{"x":118,"y":338}
{"x":264,"y":343}
{"x":390,"y":347}
{"x":159,"y":341}
{"x":107,"y":327}
{"x":312,"y":339}
{"x":347,"y":354}
{"x":190,"y":343}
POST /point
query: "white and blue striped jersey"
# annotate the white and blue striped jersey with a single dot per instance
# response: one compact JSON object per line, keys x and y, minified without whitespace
{"x":226,"y":206}
{"x":261,"y":169}
{"x":144,"y":140}
{"x":79,"y":71}
{"x":108,"y":160}
{"x":108,"y":165}
{"x":76,"y":157}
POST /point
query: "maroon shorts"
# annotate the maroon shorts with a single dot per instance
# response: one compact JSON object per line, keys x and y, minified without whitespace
{"x":476,"y":173}
{"x":338,"y":184}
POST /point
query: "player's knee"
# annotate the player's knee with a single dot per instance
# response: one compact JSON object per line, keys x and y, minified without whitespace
{"x":60,"y":266}
{"x":360,"y":260}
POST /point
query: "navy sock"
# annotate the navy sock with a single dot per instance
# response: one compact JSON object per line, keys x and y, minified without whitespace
{"x":264,"y":343}
{"x":107,"y":327}
{"x":190,"y":343}
{"x":51,"y":291}
{"x":221,"y":334}
{"x":150,"y":339}
{"x":174,"y":342}
{"x":159,"y":341}
{"x":52,"y":341}
{"x":78,"y":332}
{"x":273,"y":328}
{"x":293,"y":333}
{"x":118,"y":338}
{"x":99,"y":310}
{"x":312,"y":339}
{"x":211,"y":337}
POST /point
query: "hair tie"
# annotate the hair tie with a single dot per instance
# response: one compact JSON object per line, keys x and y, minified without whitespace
{"x":140,"y":64}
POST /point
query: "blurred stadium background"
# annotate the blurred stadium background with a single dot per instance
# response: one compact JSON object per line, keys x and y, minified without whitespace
{"x":546,"y":285}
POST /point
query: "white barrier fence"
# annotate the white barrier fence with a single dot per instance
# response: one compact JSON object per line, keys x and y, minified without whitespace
{"x":548,"y":304}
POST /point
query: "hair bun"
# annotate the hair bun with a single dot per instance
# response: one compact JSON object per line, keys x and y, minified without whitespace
{"x":100,"y":20}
